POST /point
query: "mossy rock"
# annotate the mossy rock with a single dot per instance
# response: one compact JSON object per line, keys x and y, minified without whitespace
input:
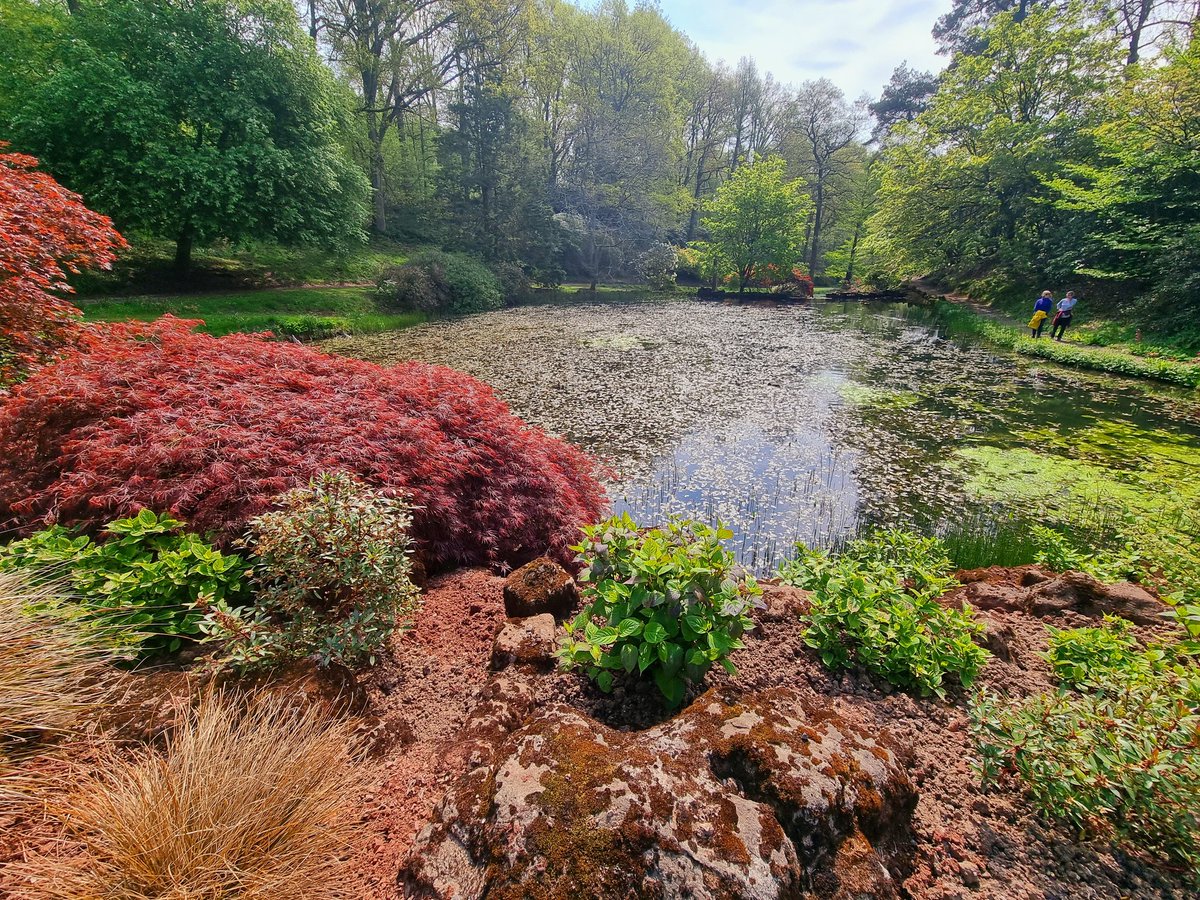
{"x":762,"y":795}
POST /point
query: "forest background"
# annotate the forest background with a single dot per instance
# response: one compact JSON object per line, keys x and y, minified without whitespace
{"x":1058,"y":147}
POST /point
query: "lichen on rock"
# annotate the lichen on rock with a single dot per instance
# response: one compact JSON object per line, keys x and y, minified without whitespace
{"x":762,"y":795}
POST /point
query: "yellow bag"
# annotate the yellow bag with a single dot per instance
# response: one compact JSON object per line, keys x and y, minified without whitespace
{"x":1038,"y":318}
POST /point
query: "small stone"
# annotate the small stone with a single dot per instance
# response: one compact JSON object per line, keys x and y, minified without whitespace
{"x":542,"y":586}
{"x":525,"y":642}
{"x":969,"y":873}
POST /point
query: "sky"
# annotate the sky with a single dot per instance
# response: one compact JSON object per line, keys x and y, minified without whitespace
{"x":854,"y":43}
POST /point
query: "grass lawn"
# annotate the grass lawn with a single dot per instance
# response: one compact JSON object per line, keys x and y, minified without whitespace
{"x":146,"y":268}
{"x":309,"y":313}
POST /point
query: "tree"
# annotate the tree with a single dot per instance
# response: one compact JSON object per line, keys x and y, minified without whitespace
{"x":1137,"y":23}
{"x":707,"y":129}
{"x":905,"y":96}
{"x":398,"y":53}
{"x":823,"y":127}
{"x":196,"y":120}
{"x":45,"y":233}
{"x":1140,"y":200}
{"x":964,"y":193}
{"x":756,"y":219}
{"x":617,"y":189}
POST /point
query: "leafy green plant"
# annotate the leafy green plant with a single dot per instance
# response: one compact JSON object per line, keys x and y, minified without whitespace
{"x":1056,"y":552}
{"x":146,"y":581}
{"x":333,"y":578}
{"x":666,"y":603}
{"x":1113,"y":752}
{"x":875,"y":605}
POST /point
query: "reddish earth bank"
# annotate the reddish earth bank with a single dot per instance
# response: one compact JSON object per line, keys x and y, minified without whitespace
{"x":496,"y":775}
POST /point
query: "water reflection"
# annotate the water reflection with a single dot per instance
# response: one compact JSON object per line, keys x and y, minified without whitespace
{"x":803,"y":422}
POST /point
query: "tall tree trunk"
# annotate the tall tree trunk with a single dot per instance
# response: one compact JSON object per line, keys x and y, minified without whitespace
{"x":853,"y":253}
{"x":1135,"y":34}
{"x":694,"y":219}
{"x":379,"y":217}
{"x":814,"y":250}
{"x":183,"y":250}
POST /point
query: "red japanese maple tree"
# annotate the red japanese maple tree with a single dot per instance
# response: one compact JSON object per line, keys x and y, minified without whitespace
{"x":212,"y":429}
{"x":45,"y":232}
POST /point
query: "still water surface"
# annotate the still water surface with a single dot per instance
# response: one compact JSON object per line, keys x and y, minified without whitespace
{"x":808,"y":423}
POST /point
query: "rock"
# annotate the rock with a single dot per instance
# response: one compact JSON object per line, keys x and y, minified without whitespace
{"x":542,"y":586}
{"x":764,"y":795}
{"x":969,"y":872}
{"x":525,"y":642}
{"x":1083,"y":594}
{"x":998,"y":639}
{"x":781,"y":601}
{"x":1029,"y":590}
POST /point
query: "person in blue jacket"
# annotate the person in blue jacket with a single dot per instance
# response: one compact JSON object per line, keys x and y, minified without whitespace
{"x":1043,"y":304}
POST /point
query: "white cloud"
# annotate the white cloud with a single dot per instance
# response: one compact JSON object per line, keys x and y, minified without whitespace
{"x":854,"y":43}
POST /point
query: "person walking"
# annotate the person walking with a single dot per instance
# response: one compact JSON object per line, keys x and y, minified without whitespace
{"x":1041,"y":312}
{"x":1063,"y":317}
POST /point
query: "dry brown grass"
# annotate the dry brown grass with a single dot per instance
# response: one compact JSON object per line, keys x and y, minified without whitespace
{"x":247,"y":800}
{"x":50,"y":677}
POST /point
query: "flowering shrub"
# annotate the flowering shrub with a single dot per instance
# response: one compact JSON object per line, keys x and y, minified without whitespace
{"x":667,"y":602}
{"x":658,"y":266}
{"x":45,"y":232}
{"x":144,"y":583}
{"x":213,"y":429}
{"x":333,"y":571}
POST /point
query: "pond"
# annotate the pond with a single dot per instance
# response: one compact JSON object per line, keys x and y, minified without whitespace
{"x":812,"y":422}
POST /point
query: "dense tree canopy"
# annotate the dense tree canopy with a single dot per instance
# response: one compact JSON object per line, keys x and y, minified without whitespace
{"x":757,"y":221}
{"x":572,"y":141}
{"x":195,"y":119}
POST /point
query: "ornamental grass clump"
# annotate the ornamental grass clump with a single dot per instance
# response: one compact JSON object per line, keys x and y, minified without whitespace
{"x":51,"y":675}
{"x":247,"y":800}
{"x":332,"y":569}
{"x":875,"y":605}
{"x":665,"y":603}
{"x":1115,"y":751}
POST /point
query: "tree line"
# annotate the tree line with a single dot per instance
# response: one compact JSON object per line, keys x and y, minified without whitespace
{"x":1057,"y":144}
{"x":1059,"y":147}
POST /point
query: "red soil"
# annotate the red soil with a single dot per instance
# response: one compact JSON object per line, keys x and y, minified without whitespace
{"x":969,"y":844}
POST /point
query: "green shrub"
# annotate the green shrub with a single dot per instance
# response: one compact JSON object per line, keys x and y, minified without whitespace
{"x":874,"y":605}
{"x":332,"y":573}
{"x":665,"y":602}
{"x":1118,"y":760}
{"x":148,"y":579}
{"x":308,"y":327}
{"x":514,"y":281}
{"x":438,"y":282}
{"x":410,"y":287}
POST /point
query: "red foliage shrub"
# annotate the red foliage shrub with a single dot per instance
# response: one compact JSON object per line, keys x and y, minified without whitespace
{"x":45,"y":232}
{"x":211,"y":429}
